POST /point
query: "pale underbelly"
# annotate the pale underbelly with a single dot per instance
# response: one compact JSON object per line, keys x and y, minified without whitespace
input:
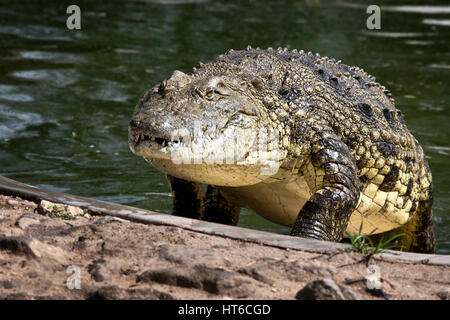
{"x":280,"y":202}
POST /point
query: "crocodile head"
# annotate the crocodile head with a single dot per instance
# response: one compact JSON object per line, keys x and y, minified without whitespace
{"x":206,"y":127}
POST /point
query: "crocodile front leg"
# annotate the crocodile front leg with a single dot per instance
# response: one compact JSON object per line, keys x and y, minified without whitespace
{"x":332,"y":176}
{"x":218,"y":209}
{"x":187,"y":197}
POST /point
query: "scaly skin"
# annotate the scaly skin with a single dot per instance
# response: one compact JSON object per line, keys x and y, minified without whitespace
{"x":346,"y":153}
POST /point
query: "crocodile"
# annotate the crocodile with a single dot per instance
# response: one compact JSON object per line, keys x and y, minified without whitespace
{"x":301,"y":139}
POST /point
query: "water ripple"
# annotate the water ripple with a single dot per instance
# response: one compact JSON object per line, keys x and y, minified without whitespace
{"x":439,"y":66}
{"x":108,"y":90}
{"x":10,"y":93}
{"x":386,"y":34}
{"x":437,"y":22}
{"x":439,"y":149}
{"x":57,"y":57}
{"x":36,"y":32}
{"x":14,"y":123}
{"x":419,"y":9}
{"x":57,"y":78}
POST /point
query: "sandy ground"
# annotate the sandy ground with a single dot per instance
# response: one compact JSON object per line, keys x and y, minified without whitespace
{"x":97,"y":257}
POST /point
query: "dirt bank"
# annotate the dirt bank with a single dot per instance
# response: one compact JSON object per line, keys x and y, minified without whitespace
{"x":41,"y":256}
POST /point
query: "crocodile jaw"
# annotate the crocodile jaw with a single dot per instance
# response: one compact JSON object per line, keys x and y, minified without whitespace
{"x":219,"y":175}
{"x":230,"y":152}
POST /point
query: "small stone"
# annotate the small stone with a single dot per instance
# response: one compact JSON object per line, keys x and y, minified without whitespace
{"x":59,"y":210}
{"x":12,"y":202}
{"x":29,"y":204}
{"x":444,"y":295}
{"x":6,"y":284}
{"x":16,"y":245}
{"x":3,"y":200}
{"x":325,"y":289}
{"x":43,"y":250}
{"x":27,"y":220}
{"x":222,"y":282}
{"x":75,"y":211}
{"x":33,"y":248}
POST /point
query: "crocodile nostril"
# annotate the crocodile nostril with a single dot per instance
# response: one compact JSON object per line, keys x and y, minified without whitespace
{"x":160,"y":140}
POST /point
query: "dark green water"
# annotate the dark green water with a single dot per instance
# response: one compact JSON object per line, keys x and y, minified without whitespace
{"x":66,"y":96}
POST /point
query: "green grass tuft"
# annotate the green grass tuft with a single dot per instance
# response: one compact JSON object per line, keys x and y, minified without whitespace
{"x":363,"y":244}
{"x":59,"y":213}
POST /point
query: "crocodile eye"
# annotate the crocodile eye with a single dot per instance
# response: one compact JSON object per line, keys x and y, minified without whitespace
{"x":210,"y":93}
